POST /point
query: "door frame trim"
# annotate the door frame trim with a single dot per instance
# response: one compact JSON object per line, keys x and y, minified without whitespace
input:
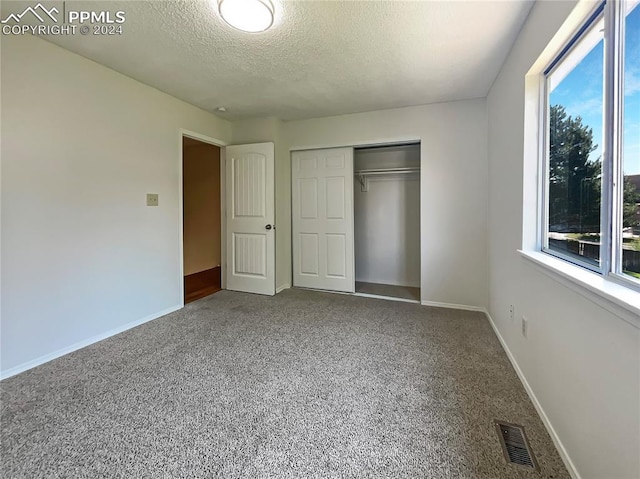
{"x":223,"y":227}
{"x":405,"y":140}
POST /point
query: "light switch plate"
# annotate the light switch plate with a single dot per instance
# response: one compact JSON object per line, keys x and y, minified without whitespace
{"x":152,"y":199}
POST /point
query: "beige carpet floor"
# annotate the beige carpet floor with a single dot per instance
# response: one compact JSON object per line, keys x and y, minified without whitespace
{"x":300,"y":385}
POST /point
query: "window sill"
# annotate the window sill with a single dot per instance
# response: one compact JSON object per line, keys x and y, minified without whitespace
{"x":615,"y":298}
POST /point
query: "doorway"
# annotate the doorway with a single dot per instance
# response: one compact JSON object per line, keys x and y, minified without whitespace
{"x":201,"y":223}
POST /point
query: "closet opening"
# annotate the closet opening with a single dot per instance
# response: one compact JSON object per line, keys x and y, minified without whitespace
{"x":387,"y":221}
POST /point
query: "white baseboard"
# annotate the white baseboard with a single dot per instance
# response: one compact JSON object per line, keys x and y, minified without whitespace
{"x":388,"y":298}
{"x":573,"y":472}
{"x":84,"y":343}
{"x":404,"y":300}
{"x":282,"y":287}
{"x":463,"y":307}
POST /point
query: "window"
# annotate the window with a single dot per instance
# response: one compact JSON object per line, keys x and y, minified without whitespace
{"x":591,"y":155}
{"x":629,"y":227}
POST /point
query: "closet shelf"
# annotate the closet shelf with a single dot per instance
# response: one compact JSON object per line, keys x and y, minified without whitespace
{"x":362,"y":174}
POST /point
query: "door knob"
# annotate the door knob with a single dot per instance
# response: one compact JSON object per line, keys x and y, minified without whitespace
{"x":268,"y":227}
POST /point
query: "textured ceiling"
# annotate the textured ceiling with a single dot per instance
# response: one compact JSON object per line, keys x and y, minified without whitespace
{"x":320,"y":58}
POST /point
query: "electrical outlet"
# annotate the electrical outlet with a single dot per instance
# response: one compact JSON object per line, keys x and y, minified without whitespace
{"x":152,"y":199}
{"x":511,"y":311}
{"x":525,"y":326}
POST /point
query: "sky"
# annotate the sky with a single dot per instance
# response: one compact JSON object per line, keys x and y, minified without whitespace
{"x":580,"y":92}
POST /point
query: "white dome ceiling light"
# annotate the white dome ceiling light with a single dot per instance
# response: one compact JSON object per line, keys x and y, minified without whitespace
{"x":251,"y":16}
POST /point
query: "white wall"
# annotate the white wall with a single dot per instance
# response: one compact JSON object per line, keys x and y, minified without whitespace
{"x":581,"y":361}
{"x":387,"y":218}
{"x":453,"y":175}
{"x":81,"y":146}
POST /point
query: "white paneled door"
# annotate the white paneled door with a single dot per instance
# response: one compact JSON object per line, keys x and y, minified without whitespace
{"x":250,"y":224}
{"x":322,"y":219}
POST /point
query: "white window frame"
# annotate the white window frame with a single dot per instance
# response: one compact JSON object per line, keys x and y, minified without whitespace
{"x":612,"y":14}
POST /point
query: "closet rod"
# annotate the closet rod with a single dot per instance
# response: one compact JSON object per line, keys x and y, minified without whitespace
{"x":362,"y":174}
{"x":383,"y":171}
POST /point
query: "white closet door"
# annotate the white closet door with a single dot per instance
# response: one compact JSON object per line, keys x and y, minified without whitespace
{"x":322,"y":212}
{"x":251,"y":233}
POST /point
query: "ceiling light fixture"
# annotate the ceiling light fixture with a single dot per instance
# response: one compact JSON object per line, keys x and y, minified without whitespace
{"x":251,"y":16}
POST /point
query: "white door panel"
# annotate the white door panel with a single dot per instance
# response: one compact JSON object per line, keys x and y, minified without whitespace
{"x":250,"y":218}
{"x":322,"y":219}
